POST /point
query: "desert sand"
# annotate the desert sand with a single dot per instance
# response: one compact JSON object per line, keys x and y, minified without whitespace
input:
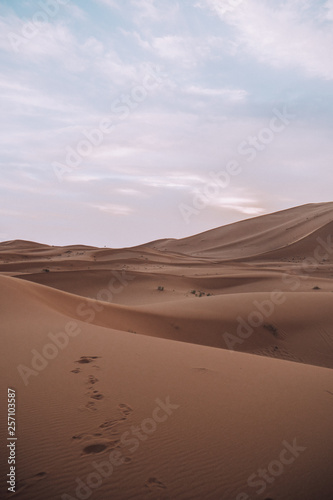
{"x":198,"y":368}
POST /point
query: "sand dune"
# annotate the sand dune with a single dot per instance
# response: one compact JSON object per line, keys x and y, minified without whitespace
{"x":254,"y":236}
{"x":290,"y":326}
{"x":180,"y":369}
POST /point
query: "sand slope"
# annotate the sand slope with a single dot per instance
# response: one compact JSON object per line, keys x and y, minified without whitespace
{"x":298,"y":327}
{"x":254,"y":236}
{"x":235,"y":411}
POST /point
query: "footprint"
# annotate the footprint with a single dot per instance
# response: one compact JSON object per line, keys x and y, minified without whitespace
{"x":99,"y":447}
{"x":109,"y":424}
{"x":92,"y":380}
{"x":154,"y":483}
{"x":94,"y":448}
{"x":91,"y":406}
{"x":86,"y":359}
{"x":98,"y":395}
{"x":125,"y":409}
{"x":38,"y":476}
{"x":78,"y":436}
{"x":114,"y":444}
{"x":201,"y":370}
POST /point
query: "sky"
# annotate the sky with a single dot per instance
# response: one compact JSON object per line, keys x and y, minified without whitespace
{"x":126,"y":121}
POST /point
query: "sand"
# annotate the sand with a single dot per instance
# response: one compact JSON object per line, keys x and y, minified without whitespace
{"x":198,"y":368}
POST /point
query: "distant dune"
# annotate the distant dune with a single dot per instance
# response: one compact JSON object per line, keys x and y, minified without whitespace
{"x":257,"y":236}
{"x":198,"y":368}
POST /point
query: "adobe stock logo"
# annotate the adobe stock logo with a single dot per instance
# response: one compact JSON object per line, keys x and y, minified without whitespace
{"x":121,"y":109}
{"x":263,"y":477}
{"x":249,"y":148}
{"x":130,"y":441}
{"x":87,"y":311}
{"x":30,"y":29}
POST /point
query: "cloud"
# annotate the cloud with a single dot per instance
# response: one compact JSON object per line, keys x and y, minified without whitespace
{"x":187,"y":51}
{"x":16,"y":95}
{"x":176,"y":48}
{"x":113,"y":4}
{"x":234,"y":201}
{"x":154,"y":10}
{"x":13,"y":213}
{"x":239,"y":205}
{"x":146,"y":8}
{"x":230,"y":94}
{"x":130,"y":192}
{"x":329,"y":15}
{"x":176,"y":181}
{"x":114,"y":209}
{"x":283,"y":34}
{"x":328,"y":10}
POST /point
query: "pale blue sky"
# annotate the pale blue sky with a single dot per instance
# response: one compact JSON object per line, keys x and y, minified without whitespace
{"x":116,"y":112}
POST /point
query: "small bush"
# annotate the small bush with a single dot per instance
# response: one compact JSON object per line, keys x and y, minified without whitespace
{"x":316,"y":288}
{"x":46,"y":270}
{"x":160,"y":288}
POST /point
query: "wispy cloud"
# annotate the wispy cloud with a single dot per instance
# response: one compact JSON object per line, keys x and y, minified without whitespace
{"x":113,"y":4}
{"x":283,"y":34}
{"x":242,"y":205}
{"x":231,"y":94}
{"x":328,"y":10}
{"x":114,"y":209}
{"x":154,"y":10}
